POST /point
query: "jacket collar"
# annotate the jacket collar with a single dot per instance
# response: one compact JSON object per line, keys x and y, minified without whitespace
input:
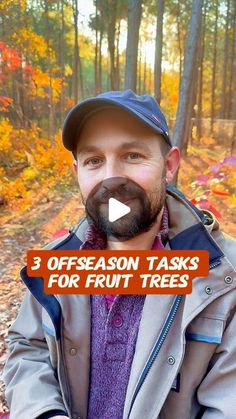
{"x":187,"y":227}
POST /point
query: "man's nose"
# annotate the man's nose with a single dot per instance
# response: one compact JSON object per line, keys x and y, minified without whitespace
{"x":112,"y":169}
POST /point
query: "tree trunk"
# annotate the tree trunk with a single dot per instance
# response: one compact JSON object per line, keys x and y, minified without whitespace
{"x":139,"y":70}
{"x":81,"y":75}
{"x":77,"y":74}
{"x":225,"y":66}
{"x":179,"y":42}
{"x":201,"y":51}
{"x":192,"y":100}
{"x":50,"y":88}
{"x":100,"y":61}
{"x":150,"y":80}
{"x":76,"y":57}
{"x":189,"y":63}
{"x":230,"y":95}
{"x":213,"y":83}
{"x":96,"y":51}
{"x":21,"y":83}
{"x":158,"y":50}
{"x":134,"y":20}
{"x":145,"y":73}
{"x":108,"y":81}
{"x":117,"y":66}
{"x":62,"y":60}
{"x":111,"y":34}
{"x":233,"y":109}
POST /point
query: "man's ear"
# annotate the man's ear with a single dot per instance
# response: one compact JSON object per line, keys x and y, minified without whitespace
{"x":75,"y":167}
{"x":172,"y":163}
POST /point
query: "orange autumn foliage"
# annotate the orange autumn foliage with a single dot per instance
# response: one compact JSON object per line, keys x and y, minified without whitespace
{"x":30,"y":163}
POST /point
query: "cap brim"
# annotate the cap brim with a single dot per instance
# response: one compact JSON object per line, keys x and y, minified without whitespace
{"x":77,"y":114}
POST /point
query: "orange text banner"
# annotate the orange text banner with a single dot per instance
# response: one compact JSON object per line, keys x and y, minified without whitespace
{"x":118,"y":271}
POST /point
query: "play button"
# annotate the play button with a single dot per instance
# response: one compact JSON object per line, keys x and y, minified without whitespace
{"x":117,"y":210}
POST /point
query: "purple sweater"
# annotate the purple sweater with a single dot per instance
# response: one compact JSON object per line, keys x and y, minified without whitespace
{"x":114,"y":329}
{"x":113,"y":338}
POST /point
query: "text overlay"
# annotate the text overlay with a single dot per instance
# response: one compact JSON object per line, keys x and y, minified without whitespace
{"x":117,"y":272}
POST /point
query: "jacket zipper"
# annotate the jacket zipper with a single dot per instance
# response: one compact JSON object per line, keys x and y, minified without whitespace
{"x":156,"y":348}
{"x":214,"y":264}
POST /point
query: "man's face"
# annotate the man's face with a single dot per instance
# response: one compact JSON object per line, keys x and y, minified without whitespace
{"x":114,"y":144}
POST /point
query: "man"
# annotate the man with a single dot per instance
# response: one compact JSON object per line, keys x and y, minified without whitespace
{"x":132,"y":356}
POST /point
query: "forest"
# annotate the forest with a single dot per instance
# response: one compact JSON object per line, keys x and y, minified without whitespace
{"x":55,"y":53}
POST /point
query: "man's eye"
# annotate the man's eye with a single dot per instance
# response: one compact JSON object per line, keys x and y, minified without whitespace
{"x":134,"y":156}
{"x":94,"y":161}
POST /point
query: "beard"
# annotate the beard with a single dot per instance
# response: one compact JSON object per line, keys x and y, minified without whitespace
{"x":145,"y":207}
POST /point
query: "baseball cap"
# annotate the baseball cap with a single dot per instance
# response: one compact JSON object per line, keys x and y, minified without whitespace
{"x":143,"y":107}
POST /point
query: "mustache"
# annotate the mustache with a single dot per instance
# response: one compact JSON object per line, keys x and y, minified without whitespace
{"x":120,"y":193}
